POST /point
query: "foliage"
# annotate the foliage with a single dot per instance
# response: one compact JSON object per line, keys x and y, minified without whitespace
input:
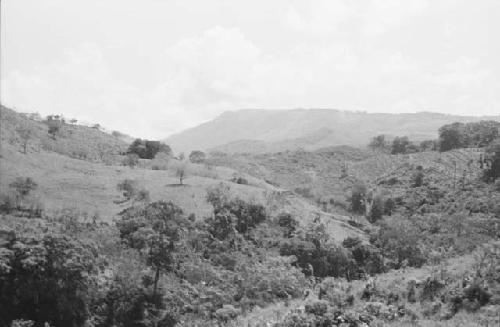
{"x":232,"y":215}
{"x":378,"y":143}
{"x":131,"y":160}
{"x":288,"y":223}
{"x":26,"y":133}
{"x":197,"y":156}
{"x":23,"y":185}
{"x":316,"y":255}
{"x":358,"y":197}
{"x":377,"y":208}
{"x":493,"y":152}
{"x":154,"y":229}
{"x":400,"y":145}
{"x":418,"y":177}
{"x":399,"y":241}
{"x":46,"y":278}
{"x":459,"y":135}
{"x":147,"y":149}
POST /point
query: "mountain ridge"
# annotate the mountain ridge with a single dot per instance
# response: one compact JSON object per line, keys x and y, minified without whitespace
{"x":270,"y":130}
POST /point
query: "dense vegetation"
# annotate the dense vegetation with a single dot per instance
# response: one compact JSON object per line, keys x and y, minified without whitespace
{"x":421,"y":236}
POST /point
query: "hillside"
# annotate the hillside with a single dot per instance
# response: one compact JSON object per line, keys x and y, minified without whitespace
{"x":260,"y":131}
{"x":264,"y":239}
{"x":76,"y":141}
{"x":65,"y":181}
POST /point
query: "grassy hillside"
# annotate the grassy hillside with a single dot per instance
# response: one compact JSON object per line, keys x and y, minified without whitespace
{"x":65,"y":182}
{"x":278,"y":130}
{"x":72,"y":140}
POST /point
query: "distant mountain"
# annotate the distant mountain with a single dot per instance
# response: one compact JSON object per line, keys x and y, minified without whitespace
{"x":258,"y":130}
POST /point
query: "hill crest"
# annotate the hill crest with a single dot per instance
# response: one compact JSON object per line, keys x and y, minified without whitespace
{"x":259,"y":130}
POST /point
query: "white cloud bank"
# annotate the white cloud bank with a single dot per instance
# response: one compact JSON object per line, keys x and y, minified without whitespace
{"x":340,"y":54}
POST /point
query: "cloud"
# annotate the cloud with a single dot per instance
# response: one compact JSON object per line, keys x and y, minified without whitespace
{"x":336,"y":54}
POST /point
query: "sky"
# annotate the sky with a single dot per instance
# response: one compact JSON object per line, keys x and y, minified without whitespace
{"x":151,"y":68}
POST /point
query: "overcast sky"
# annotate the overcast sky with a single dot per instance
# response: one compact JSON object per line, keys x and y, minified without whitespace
{"x":154,"y":67}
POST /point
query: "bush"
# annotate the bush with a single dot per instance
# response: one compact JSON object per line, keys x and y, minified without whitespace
{"x":358,"y":197}
{"x":239,"y":180}
{"x":288,"y":223}
{"x":399,"y":241}
{"x":147,"y":149}
{"x":377,"y":209}
{"x":129,"y":188}
{"x":316,"y":255}
{"x":132,"y":191}
{"x":197,"y":156}
{"x":131,"y":160}
{"x":23,"y":185}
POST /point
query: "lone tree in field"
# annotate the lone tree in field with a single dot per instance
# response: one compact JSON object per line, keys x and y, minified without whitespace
{"x":181,"y":172}
{"x":26,"y":134}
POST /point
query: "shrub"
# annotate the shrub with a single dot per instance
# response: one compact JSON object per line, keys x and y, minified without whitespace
{"x":131,"y":160}
{"x":197,"y":156}
{"x":399,"y":241}
{"x":239,"y":180}
{"x":418,"y":177}
{"x":129,"y":188}
{"x":23,"y":185}
{"x":400,"y":145}
{"x":316,"y":255}
{"x":288,"y":223}
{"x":358,"y":197}
{"x":305,"y":192}
{"x":377,"y":209}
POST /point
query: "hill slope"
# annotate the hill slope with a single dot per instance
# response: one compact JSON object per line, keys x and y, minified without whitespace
{"x":76,"y":141}
{"x":91,"y":186}
{"x":270,"y":130}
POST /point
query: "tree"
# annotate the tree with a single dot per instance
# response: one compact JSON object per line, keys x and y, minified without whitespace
{"x":399,"y":145}
{"x":451,"y":137}
{"x":154,"y":229}
{"x":55,"y":123}
{"x":429,"y":145}
{"x":26,"y":134}
{"x":493,"y":156}
{"x":378,"y":143}
{"x":147,"y":149}
{"x":181,"y":171}
{"x":23,"y":185}
{"x":131,"y":160}
{"x":288,"y":223}
{"x":418,"y":177}
{"x":46,"y":278}
{"x":377,"y":209}
{"x":197,"y":156}
{"x":358,"y":197}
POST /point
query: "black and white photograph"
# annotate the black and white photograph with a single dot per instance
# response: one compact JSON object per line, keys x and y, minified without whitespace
{"x":249,"y":163}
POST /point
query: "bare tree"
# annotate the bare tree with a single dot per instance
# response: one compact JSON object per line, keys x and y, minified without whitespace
{"x":26,"y":134}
